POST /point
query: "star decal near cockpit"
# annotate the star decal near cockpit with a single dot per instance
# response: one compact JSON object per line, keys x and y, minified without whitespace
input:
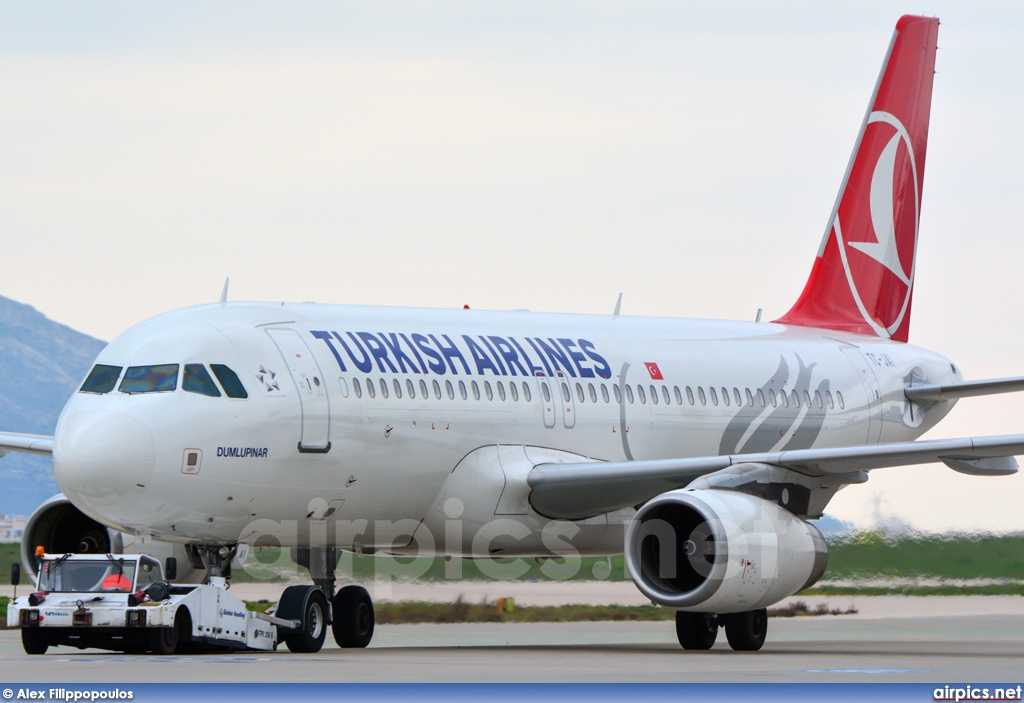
{"x":268,"y":379}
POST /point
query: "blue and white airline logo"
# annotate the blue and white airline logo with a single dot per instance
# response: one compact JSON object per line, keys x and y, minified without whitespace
{"x":483,"y":354}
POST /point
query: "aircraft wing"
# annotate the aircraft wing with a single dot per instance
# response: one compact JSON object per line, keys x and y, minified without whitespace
{"x":965,"y":389}
{"x":29,"y":443}
{"x":577,"y":490}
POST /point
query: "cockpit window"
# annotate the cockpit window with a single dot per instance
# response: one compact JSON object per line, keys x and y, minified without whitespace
{"x":150,"y":379}
{"x":229,"y":380}
{"x":102,"y":379}
{"x":196,"y":379}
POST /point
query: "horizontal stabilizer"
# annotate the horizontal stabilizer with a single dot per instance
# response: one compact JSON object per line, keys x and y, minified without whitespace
{"x":29,"y":443}
{"x":965,"y":389}
{"x":576,"y":491}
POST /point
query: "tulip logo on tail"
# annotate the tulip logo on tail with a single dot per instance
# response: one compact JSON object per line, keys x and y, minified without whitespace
{"x":894,"y":200}
{"x":862,"y":281}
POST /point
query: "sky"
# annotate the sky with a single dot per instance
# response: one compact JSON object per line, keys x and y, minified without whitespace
{"x":509,"y":155}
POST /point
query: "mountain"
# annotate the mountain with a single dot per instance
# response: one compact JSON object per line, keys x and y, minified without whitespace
{"x":833,"y":527}
{"x":41,"y":364}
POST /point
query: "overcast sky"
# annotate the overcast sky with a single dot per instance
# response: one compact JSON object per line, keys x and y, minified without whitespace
{"x":508,"y":155}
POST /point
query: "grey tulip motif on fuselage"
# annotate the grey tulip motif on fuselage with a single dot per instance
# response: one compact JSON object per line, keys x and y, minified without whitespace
{"x":801,"y":424}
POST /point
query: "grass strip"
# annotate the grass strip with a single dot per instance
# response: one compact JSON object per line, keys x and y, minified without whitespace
{"x":995,"y":589}
{"x":461,"y":611}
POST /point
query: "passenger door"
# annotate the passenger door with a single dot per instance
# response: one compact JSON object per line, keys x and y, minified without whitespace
{"x":312,"y":390}
{"x":870,"y":382}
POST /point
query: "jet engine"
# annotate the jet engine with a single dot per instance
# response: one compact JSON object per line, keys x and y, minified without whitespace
{"x":721,"y":551}
{"x":59,"y":527}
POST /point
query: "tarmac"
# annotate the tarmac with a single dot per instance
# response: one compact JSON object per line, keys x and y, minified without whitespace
{"x":890,"y":639}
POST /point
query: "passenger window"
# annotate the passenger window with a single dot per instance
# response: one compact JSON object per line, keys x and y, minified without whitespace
{"x":344,"y":387}
{"x":618,"y":394}
{"x":579,"y":393}
{"x":640,"y":393}
{"x":545,"y":392}
{"x":839,"y":397}
{"x":807,"y":399}
{"x":196,"y":379}
{"x":476,"y":390}
{"x":679,"y":396}
{"x":629,"y":394}
{"x":700,"y":394}
{"x":102,"y":379}
{"x":654,"y":394}
{"x":714,"y":396}
{"x":371,"y":390}
{"x":593,"y":392}
{"x":450,"y":390}
{"x":150,"y":379}
{"x":462,"y":390}
{"x":725,"y":396}
{"x":817,"y":399}
{"x":604,"y":393}
{"x":423,"y":389}
{"x":357,"y":388}
{"x":665,"y":396}
{"x":398,"y":388}
{"x":784,"y":397}
{"x":233,"y":387}
{"x":514,"y":389}
{"x":737,"y":397}
{"x":437,"y":389}
{"x":487,"y":390}
{"x":527,"y":396}
{"x":831,"y":403}
{"x":383,"y":388}
{"x":760,"y":397}
{"x":566,"y":396}
{"x":795,"y":397}
{"x":689,"y":395}
{"x":772,"y":399}
{"x":410,"y":389}
{"x":750,"y":398}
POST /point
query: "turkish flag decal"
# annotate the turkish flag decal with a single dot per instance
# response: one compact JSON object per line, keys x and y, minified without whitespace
{"x":652,"y":368}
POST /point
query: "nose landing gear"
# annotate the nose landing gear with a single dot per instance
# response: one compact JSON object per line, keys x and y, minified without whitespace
{"x":348,"y":613}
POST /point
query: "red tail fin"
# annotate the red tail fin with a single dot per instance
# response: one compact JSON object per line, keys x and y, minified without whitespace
{"x":863,"y":278}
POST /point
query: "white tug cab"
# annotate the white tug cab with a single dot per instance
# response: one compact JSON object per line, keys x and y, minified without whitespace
{"x":125,"y":603}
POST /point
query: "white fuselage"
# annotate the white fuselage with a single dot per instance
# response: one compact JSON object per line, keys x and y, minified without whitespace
{"x":688,"y":387}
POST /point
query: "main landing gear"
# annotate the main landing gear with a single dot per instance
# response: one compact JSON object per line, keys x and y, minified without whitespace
{"x":745,"y":631}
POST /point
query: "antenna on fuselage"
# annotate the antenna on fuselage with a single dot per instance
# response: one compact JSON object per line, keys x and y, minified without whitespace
{"x":756,"y":319}
{"x":224,"y":293}
{"x":618,"y":307}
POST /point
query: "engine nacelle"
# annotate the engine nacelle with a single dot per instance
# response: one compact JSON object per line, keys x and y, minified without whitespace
{"x":721,"y":551}
{"x":59,"y":527}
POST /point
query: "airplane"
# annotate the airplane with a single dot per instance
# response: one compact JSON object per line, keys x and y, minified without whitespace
{"x":699,"y":449}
